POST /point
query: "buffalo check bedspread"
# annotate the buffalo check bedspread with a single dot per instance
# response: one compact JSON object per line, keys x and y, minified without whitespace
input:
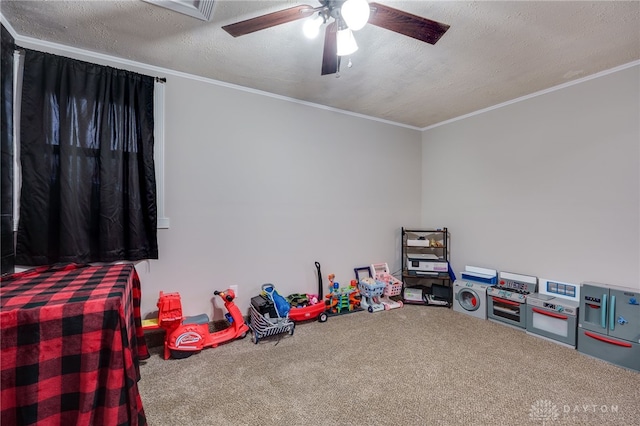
{"x":70,"y":346}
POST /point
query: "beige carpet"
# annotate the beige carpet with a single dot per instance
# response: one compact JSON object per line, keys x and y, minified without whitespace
{"x":416,"y":365}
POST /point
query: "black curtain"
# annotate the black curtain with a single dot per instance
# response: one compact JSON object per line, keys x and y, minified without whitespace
{"x":6,"y":163}
{"x":88,"y":177}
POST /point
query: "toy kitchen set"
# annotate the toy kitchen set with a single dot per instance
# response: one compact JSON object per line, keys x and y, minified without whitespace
{"x":552,"y":313}
{"x":506,"y":300}
{"x":609,"y":324}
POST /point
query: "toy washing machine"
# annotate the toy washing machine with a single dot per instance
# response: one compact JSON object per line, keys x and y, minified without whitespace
{"x":470,"y":292}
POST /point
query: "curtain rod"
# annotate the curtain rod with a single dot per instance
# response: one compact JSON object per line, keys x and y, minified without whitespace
{"x":21,"y":51}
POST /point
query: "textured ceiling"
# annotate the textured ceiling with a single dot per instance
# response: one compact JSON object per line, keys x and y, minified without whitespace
{"x":494,"y":51}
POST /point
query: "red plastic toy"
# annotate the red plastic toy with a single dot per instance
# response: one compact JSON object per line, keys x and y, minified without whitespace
{"x":186,"y":336}
{"x":311,"y":311}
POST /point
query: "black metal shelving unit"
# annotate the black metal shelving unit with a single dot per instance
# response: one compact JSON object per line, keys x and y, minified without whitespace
{"x":425,"y":266}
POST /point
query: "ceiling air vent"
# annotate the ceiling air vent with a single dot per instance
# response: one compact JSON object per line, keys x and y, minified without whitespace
{"x":201,"y":9}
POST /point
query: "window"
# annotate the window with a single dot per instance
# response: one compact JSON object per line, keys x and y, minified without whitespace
{"x":159,"y":101}
{"x":86,"y":148}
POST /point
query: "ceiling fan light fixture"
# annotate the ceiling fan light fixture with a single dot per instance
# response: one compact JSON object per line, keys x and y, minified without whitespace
{"x":355,"y":13}
{"x":311,"y":27}
{"x":338,"y":36}
{"x":346,"y":42}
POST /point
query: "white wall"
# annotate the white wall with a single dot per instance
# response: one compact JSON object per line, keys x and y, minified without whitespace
{"x":258,"y":189}
{"x":549,"y":186}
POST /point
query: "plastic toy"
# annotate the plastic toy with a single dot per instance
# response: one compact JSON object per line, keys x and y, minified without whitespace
{"x":169,"y":313}
{"x":309,"y":306}
{"x":280,"y":303}
{"x":298,"y":300}
{"x":371,"y":291}
{"x":393,"y":286}
{"x":370,"y":288}
{"x":186,"y":336}
{"x":378,"y":287}
{"x":342,"y":300}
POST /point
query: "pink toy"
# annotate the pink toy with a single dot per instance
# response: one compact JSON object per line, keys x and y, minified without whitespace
{"x":380,"y":272}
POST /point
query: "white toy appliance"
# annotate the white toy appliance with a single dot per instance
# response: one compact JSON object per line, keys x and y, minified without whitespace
{"x":552,"y":313}
{"x":506,"y":300}
{"x":470,"y":291}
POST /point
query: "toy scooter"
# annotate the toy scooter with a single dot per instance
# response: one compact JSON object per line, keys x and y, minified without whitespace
{"x":186,"y":336}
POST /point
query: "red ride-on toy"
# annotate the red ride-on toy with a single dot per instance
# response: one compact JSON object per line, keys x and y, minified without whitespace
{"x":308,"y":310}
{"x":186,"y":336}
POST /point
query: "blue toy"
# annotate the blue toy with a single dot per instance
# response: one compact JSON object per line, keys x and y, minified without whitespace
{"x":280,"y":303}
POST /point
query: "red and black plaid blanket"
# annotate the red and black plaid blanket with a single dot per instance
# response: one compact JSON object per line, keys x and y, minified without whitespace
{"x":70,"y":347}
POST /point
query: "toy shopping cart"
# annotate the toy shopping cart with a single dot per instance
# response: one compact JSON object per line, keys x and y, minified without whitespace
{"x":371,"y":290}
{"x":380,"y":272}
{"x":266,"y":318}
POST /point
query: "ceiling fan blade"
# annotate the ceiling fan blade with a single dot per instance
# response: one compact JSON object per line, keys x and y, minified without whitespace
{"x":330,"y":54}
{"x":406,"y":23}
{"x":269,"y":20}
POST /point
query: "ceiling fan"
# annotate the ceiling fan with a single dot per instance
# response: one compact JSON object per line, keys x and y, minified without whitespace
{"x":343,"y":17}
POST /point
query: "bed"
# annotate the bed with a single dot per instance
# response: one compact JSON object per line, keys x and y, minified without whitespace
{"x":71,"y":345}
